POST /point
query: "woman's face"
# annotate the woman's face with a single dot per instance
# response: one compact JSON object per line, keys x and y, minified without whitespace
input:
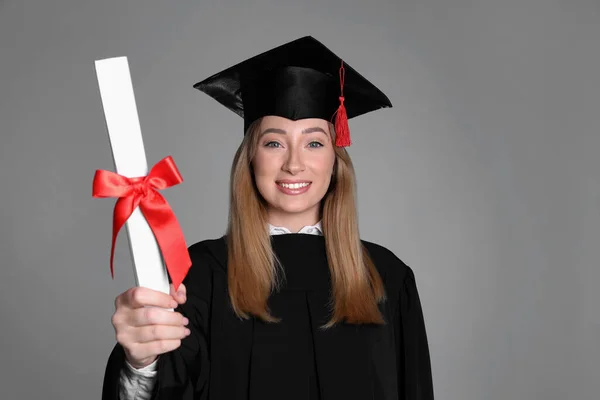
{"x":293,"y":167}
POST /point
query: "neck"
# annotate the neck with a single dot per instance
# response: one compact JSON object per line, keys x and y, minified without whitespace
{"x":293,"y":222}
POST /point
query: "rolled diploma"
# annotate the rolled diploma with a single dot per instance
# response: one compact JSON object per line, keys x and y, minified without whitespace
{"x":129,"y":156}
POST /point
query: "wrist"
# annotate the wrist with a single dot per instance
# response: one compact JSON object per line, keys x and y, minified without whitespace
{"x":142,"y":364}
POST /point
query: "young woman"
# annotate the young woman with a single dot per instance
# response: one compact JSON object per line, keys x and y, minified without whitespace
{"x":290,"y":303}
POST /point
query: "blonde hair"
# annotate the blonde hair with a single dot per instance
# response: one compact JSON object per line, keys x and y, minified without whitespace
{"x":253,"y":267}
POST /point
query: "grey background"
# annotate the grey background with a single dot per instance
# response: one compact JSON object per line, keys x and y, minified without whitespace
{"x":483,"y":177}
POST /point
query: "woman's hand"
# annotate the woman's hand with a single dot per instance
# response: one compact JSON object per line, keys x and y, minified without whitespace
{"x":144,"y":326}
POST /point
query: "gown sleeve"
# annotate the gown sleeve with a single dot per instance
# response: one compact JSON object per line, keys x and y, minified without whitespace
{"x":182,"y":374}
{"x":414,"y":366}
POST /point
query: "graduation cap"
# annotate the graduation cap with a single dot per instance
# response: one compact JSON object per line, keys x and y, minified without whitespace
{"x":300,"y":79}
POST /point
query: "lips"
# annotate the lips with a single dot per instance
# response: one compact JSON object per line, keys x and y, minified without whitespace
{"x":293,"y":187}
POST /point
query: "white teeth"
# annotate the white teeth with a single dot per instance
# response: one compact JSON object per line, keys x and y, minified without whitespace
{"x":294,"y":185}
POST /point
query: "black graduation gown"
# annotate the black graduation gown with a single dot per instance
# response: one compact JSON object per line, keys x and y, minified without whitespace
{"x":225,"y":358}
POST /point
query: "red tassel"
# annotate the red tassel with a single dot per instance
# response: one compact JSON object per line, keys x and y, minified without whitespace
{"x":342,"y":130}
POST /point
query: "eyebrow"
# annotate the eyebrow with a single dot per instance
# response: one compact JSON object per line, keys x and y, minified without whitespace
{"x":281,"y":131}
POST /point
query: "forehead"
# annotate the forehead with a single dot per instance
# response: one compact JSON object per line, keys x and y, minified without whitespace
{"x":271,"y":121}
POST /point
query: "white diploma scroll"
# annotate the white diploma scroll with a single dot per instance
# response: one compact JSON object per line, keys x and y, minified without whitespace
{"x":129,"y":157}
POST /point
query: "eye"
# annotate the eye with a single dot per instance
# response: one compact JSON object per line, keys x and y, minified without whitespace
{"x":317,"y":144}
{"x":272,"y":144}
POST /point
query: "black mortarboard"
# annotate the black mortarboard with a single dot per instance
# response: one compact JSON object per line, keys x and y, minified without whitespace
{"x":300,"y":79}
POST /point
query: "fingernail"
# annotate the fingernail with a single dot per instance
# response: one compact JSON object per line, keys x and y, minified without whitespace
{"x":186,"y":321}
{"x":173,"y":304}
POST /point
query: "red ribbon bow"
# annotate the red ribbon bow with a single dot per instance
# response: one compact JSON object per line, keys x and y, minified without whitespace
{"x":143,"y":192}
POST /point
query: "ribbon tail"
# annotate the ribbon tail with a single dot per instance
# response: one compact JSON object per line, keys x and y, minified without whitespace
{"x":123,"y":209}
{"x":169,"y":236}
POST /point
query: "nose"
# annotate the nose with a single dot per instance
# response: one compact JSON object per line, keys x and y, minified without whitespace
{"x":294,"y":163}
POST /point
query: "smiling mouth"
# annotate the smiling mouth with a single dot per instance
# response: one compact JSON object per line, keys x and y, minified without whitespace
{"x":294,"y":186}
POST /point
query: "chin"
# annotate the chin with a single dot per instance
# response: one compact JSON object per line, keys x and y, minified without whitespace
{"x":295,"y":208}
{"x":298,"y":207}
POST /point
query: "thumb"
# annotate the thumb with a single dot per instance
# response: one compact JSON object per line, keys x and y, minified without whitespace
{"x":180,"y":294}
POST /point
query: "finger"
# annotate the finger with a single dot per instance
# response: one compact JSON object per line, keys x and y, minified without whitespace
{"x":151,"y":333}
{"x":179,"y":295}
{"x":144,"y":350}
{"x":120,"y":300}
{"x":140,"y":296}
{"x":156,"y":316}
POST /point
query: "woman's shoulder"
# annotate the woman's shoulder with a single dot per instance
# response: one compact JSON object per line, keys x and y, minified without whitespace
{"x":209,"y":252}
{"x":207,"y":267}
{"x":386,"y":261}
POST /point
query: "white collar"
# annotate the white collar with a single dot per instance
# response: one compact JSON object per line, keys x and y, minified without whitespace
{"x":316,"y":229}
